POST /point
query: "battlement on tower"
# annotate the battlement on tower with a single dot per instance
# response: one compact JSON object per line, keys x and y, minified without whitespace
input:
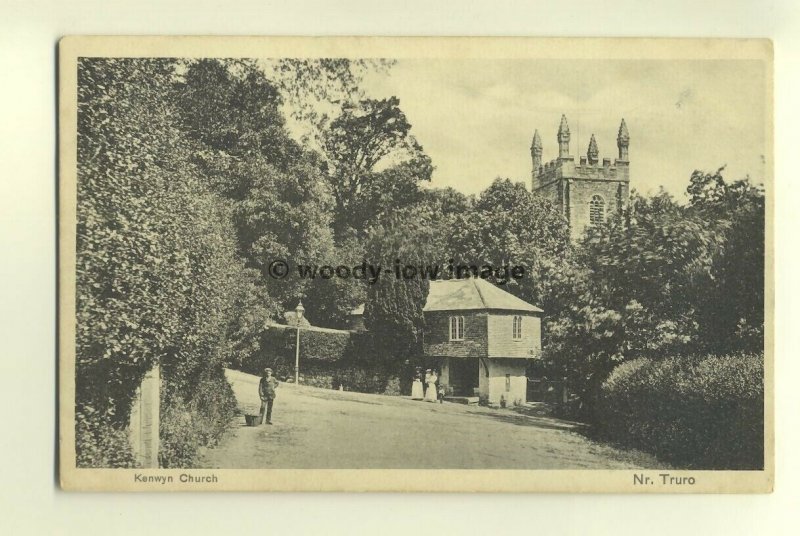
{"x":560,"y":168}
{"x":588,"y":167}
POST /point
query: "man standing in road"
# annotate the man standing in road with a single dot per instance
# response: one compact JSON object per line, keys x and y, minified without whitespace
{"x":266,"y":390}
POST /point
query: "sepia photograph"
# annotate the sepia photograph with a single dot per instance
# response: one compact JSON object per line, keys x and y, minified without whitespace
{"x":415,"y":264}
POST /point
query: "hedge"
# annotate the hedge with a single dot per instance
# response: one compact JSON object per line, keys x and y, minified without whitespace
{"x":328,"y":359}
{"x":278,"y":345}
{"x":157,"y":272}
{"x":698,"y":413}
{"x":202,"y":422}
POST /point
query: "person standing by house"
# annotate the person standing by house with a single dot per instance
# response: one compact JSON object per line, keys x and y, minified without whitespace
{"x":431,"y":393}
{"x":417,"y":391}
{"x":266,"y":390}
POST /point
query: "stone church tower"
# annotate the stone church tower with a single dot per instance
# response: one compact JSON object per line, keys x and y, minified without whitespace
{"x":586,"y":193}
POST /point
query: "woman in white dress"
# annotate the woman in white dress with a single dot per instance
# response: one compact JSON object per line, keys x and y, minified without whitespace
{"x":431,"y":394}
{"x":417,"y":392}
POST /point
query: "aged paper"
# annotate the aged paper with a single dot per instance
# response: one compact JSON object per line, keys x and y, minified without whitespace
{"x":468,"y":264}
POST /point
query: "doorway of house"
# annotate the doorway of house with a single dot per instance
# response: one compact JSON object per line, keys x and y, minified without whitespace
{"x":464,"y":375}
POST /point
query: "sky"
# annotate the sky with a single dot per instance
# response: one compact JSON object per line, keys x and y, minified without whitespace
{"x":475,"y":118}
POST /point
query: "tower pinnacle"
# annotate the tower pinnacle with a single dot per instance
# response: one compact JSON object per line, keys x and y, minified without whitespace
{"x":563,"y":138}
{"x":592,"y":152}
{"x":537,"y":141}
{"x":623,"y":138}
{"x":536,"y":156}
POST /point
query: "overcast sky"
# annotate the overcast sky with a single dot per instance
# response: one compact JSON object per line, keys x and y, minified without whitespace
{"x":476,"y":118}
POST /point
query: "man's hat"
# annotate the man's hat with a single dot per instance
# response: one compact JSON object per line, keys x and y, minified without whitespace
{"x":267,"y":369}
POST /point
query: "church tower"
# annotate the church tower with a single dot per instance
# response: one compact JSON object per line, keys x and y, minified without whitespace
{"x":586,"y":193}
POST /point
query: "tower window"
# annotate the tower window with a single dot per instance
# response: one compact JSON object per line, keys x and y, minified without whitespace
{"x":597,"y":210}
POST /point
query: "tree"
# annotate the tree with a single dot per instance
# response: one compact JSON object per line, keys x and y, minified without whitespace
{"x":334,"y":298}
{"x":393,"y":308}
{"x":282,"y":209}
{"x":640,"y":287}
{"x":732,"y":304}
{"x":233,"y":113}
{"x":510,"y":226}
{"x":284,"y":216}
{"x":364,"y":135}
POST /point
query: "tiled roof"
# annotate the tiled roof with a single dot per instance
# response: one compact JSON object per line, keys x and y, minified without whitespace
{"x":471,"y":295}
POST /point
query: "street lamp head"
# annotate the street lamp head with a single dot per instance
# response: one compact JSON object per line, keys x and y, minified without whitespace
{"x":300,"y":310}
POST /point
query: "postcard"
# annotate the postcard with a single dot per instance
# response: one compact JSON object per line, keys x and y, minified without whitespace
{"x":455,"y":264}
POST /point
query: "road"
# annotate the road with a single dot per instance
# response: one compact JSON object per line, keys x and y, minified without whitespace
{"x":325,"y":429}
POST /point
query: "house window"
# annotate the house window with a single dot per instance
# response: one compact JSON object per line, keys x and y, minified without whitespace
{"x":517,"y":328}
{"x":456,"y":328}
{"x":597,"y":210}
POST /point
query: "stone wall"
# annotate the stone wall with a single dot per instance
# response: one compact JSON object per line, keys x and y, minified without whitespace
{"x":437,"y":341}
{"x":362,"y":377}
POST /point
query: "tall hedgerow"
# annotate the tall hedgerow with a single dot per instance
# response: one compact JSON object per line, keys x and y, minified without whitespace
{"x":156,"y":265}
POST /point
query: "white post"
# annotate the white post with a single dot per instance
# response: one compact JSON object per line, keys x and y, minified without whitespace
{"x":299,"y":310}
{"x":144,"y":426}
{"x":297,"y":357}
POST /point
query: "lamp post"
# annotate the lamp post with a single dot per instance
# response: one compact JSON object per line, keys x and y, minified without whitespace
{"x":299,"y":310}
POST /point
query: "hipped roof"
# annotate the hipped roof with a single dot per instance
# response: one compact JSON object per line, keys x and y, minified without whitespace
{"x":473,"y":294}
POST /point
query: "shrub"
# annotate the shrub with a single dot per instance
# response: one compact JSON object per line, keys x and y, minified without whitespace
{"x":187,"y":427}
{"x":277,"y":348}
{"x":701,"y":413}
{"x":99,"y":443}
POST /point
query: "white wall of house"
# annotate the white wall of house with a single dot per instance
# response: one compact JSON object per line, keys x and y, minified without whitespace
{"x":506,"y":379}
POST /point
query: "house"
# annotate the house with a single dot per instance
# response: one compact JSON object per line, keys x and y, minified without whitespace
{"x":481,"y":339}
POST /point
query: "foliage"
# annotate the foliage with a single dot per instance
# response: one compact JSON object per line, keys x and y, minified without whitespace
{"x":99,"y":443}
{"x":334,"y":298}
{"x":329,"y":360}
{"x":315,"y":87}
{"x":254,"y":308}
{"x":509,"y":226}
{"x":648,"y":284}
{"x":393,"y":309}
{"x":281,"y":206}
{"x":733,"y":302}
{"x":278,"y":347}
{"x":229,"y":106}
{"x":156,"y":266}
{"x":698,"y":413}
{"x":363,"y":376}
{"x":366,"y":134}
{"x":202,"y":422}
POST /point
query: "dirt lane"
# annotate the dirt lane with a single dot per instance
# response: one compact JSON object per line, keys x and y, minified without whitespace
{"x":319,"y":428}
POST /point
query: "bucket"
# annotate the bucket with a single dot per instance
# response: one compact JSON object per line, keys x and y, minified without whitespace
{"x":252,"y":420}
